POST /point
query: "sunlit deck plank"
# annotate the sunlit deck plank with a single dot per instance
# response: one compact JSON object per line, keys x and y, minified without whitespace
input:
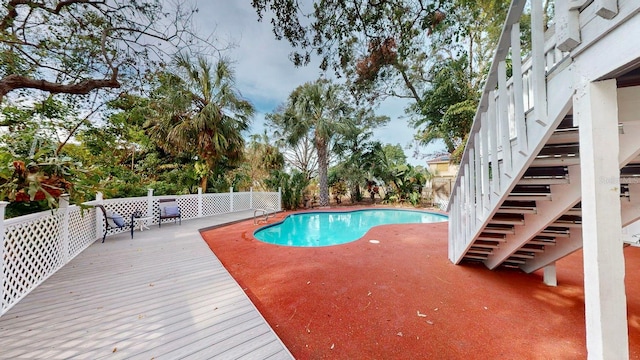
{"x":163,"y":294}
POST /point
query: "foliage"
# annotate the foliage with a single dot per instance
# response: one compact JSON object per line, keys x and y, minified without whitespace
{"x":314,"y":110}
{"x":449,"y":106}
{"x":78,"y":46}
{"x":292,"y":187}
{"x":198,"y":110}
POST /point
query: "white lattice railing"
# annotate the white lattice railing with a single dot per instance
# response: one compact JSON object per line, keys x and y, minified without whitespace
{"x":35,"y":246}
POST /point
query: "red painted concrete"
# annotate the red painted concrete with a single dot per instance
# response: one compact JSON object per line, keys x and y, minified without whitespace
{"x":403,"y":299}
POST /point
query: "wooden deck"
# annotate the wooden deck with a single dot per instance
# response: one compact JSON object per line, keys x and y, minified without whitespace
{"x":162,"y":295}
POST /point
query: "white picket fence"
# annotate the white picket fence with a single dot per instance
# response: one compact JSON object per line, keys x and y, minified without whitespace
{"x":35,"y":246}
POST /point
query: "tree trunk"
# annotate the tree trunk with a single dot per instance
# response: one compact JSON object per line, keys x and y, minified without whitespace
{"x":321,"y":147}
{"x":203,"y":183}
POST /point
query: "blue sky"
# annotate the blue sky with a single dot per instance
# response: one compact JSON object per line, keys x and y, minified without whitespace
{"x":264,"y":74}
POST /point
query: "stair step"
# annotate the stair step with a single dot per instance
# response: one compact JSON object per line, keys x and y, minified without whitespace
{"x":517,"y":210}
{"x":479,"y":252}
{"x":567,"y":224}
{"x":522,"y":256}
{"x":530,"y":249}
{"x":495,"y":230}
{"x":475,"y":257}
{"x":541,"y":242}
{"x":529,"y":196}
{"x":543,"y":181}
{"x":565,"y":136}
{"x":555,"y":161}
{"x":513,"y":262}
{"x":506,"y":221}
{"x":554,"y":233}
{"x":487,"y":237}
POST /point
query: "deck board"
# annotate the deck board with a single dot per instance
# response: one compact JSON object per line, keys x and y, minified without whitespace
{"x":161,"y":295}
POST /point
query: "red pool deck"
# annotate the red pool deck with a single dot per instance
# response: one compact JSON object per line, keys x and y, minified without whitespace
{"x":403,"y":299}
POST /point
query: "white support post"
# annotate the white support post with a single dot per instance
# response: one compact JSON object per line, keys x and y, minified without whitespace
{"x":503,"y":118}
{"x":484,"y":138}
{"x":606,"y":9}
{"x":150,"y":203}
{"x":64,"y":208}
{"x":550,"y":278}
{"x":199,"y":202}
{"x":518,"y":90}
{"x":231,"y":199}
{"x":452,"y":235}
{"x":3,"y":205}
{"x":605,"y":301}
{"x":567,"y":20}
{"x":493,"y":138}
{"x":99,"y":216}
{"x":538,"y":71}
{"x":251,"y":197}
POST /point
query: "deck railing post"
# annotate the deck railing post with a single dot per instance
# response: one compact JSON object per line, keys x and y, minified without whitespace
{"x":231,"y":199}
{"x":493,"y":138}
{"x":478,"y":177}
{"x":199,"y":202}
{"x":64,"y":233}
{"x":251,"y":197}
{"x":3,"y":205}
{"x":99,"y":216}
{"x":472,"y":189}
{"x":503,"y":118}
{"x":518,"y":90}
{"x":484,"y":138}
{"x":150,"y":203}
{"x":538,"y":71}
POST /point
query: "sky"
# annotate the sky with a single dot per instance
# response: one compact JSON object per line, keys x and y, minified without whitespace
{"x":265,"y":75}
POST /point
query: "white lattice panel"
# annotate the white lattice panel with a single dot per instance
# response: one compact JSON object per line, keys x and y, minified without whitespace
{"x":82,"y":229}
{"x":241,"y":201}
{"x":215,"y":204}
{"x":266,"y":200}
{"x":33,"y":251}
{"x":188,"y":206}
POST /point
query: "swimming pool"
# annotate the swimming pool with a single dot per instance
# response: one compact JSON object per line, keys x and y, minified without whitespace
{"x":333,"y":228}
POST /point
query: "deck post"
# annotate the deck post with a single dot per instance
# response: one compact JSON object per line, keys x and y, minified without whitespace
{"x":518,"y":90}
{"x":550,"y":277}
{"x":251,"y":197}
{"x":150,"y":203}
{"x":99,"y":216}
{"x":595,"y":104}
{"x":279,"y":199}
{"x":3,"y":205}
{"x":567,"y":26}
{"x":199,"y":202}
{"x":231,"y":199}
{"x":64,"y":233}
{"x":484,"y":138}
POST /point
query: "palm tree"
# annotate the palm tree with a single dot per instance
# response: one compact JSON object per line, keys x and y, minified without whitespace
{"x":199,"y":110}
{"x":315,"y":108}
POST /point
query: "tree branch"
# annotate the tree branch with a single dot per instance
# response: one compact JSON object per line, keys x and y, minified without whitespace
{"x":13,"y":82}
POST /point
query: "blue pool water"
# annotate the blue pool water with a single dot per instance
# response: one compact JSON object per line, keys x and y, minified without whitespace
{"x":333,"y":228}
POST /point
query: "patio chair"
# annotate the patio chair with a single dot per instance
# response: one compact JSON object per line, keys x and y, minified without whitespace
{"x":113,"y":220}
{"x":169,"y":209}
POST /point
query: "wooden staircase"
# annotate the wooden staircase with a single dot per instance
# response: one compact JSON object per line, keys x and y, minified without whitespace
{"x":517,"y":199}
